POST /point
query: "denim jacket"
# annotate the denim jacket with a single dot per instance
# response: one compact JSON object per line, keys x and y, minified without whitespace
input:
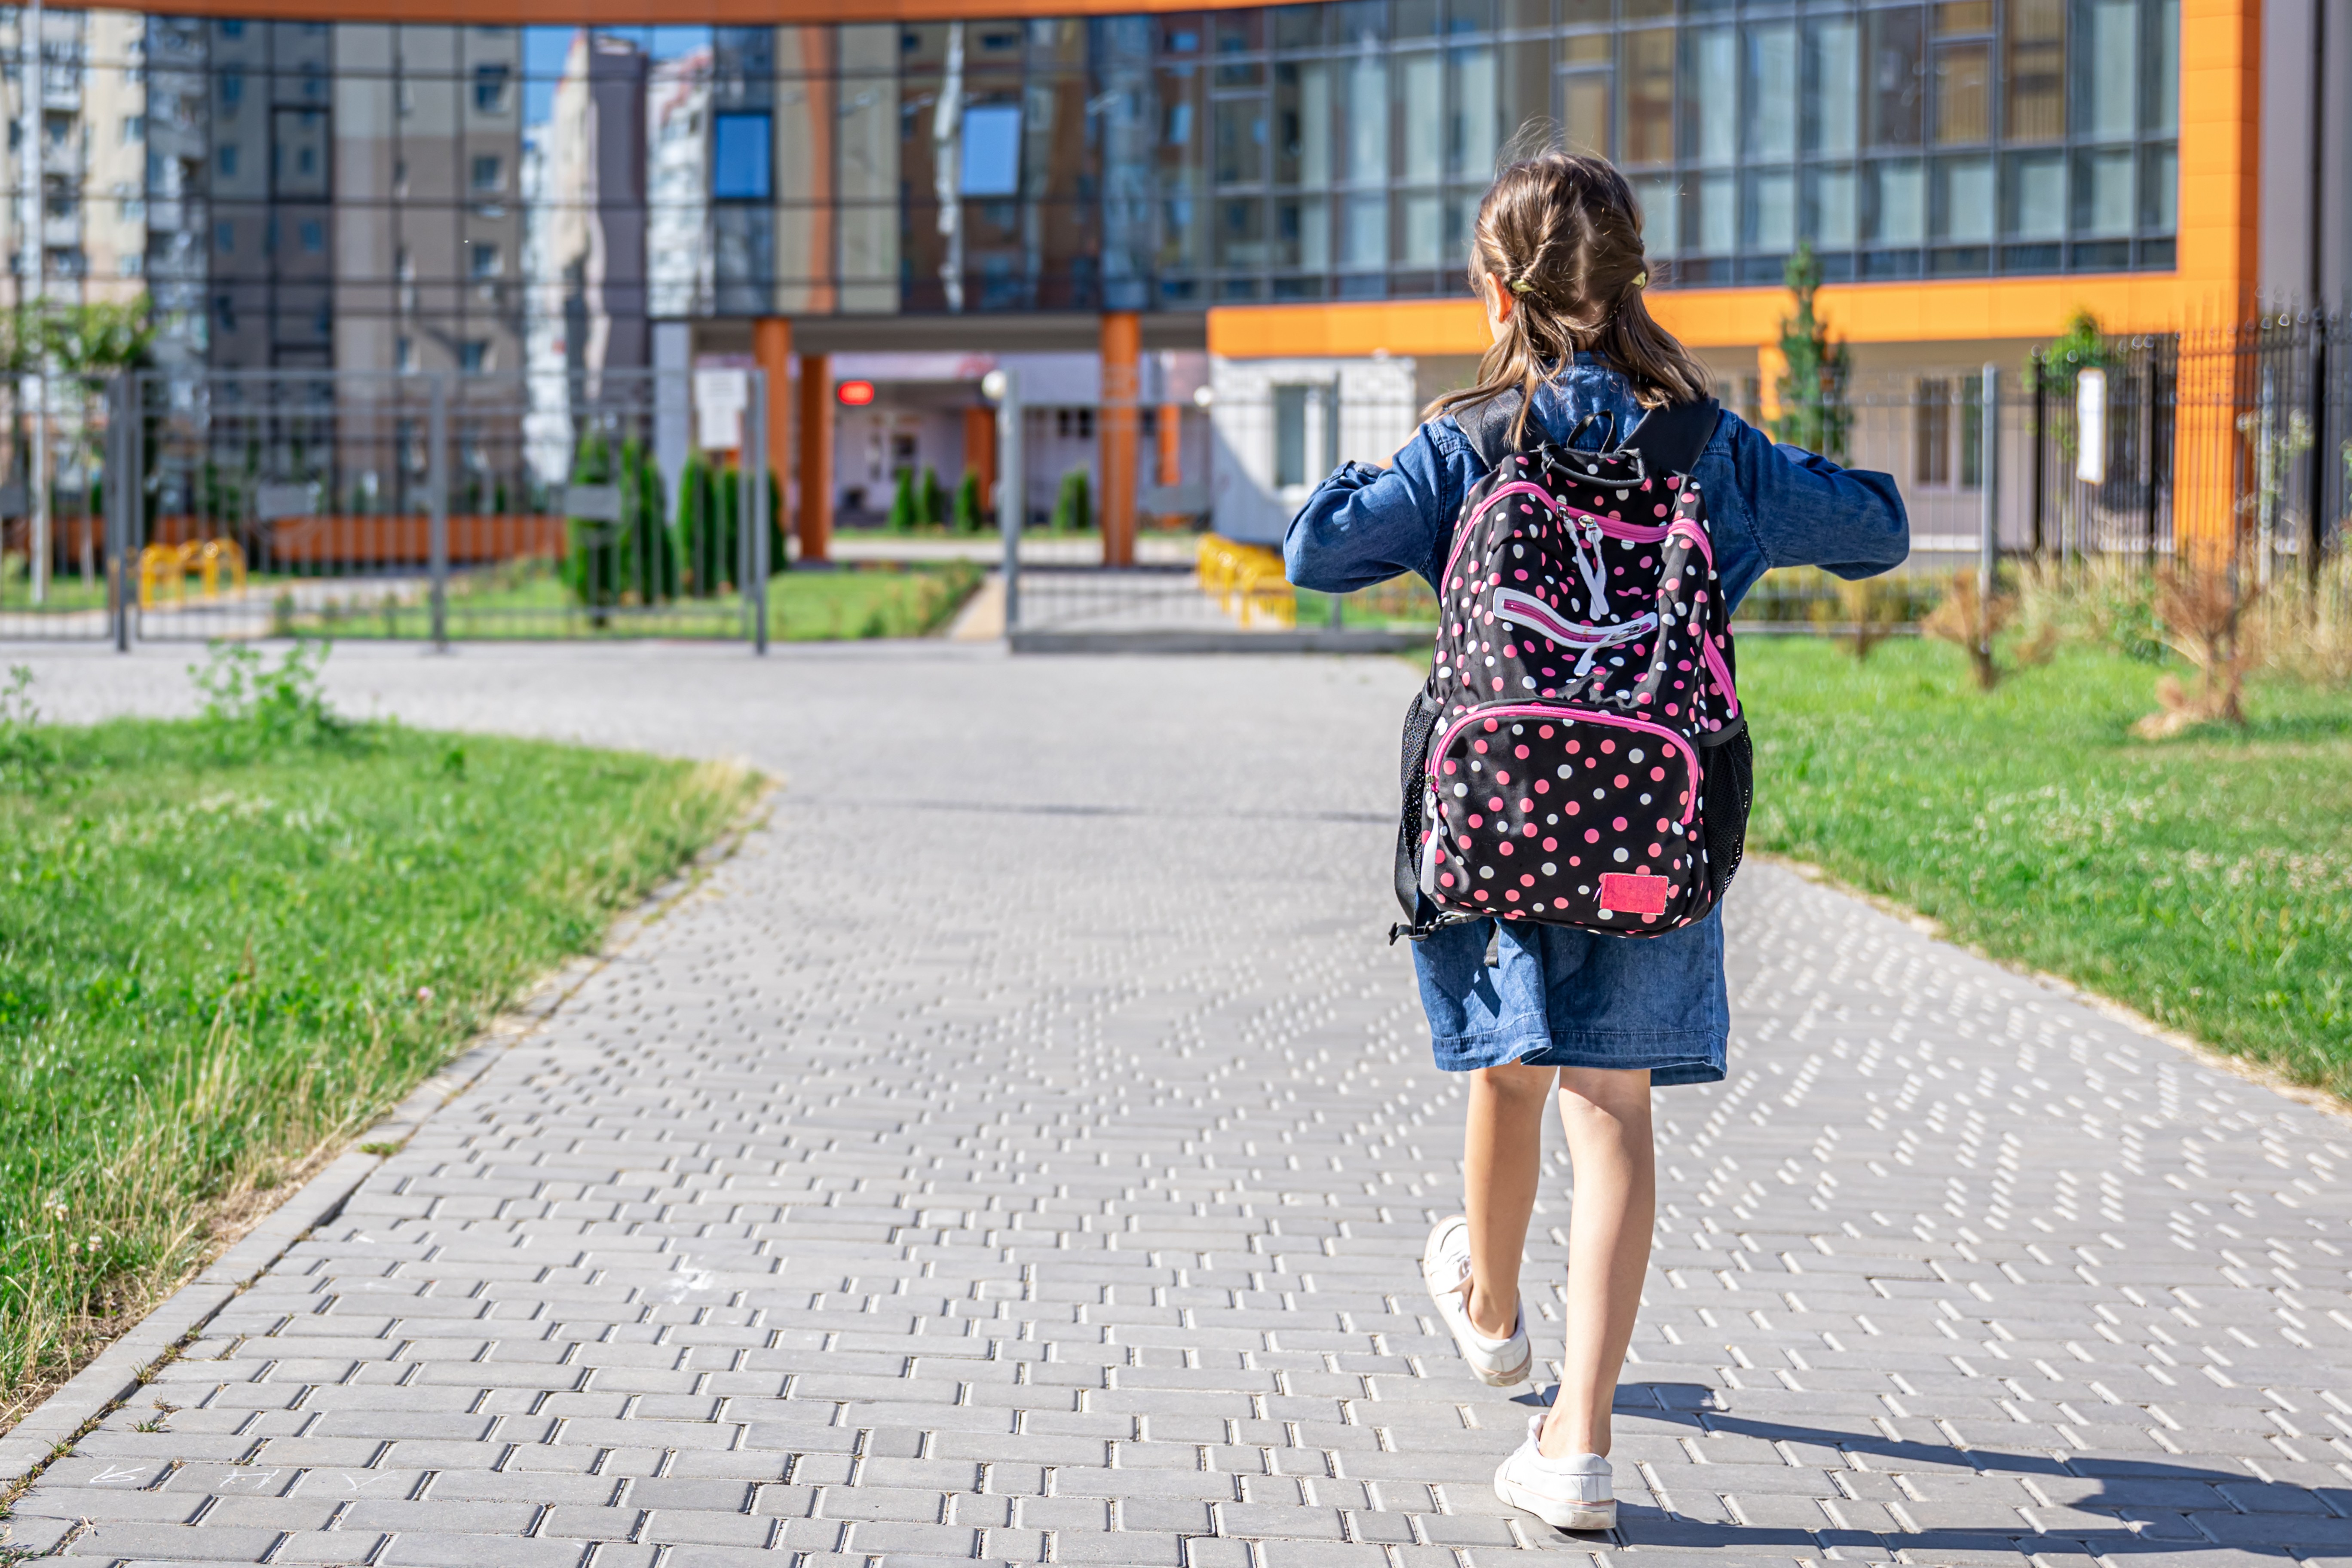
{"x":1559,"y":995}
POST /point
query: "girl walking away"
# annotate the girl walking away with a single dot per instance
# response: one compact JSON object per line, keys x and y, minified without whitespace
{"x":1589,"y":518}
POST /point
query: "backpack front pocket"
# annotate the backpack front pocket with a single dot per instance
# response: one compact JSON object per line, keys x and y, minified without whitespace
{"x":1564,"y":815}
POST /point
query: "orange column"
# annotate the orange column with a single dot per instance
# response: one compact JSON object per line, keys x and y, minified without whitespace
{"x":980,"y":451}
{"x":1122,"y":359}
{"x":772,"y":349}
{"x":2220,"y":216}
{"x":1171,"y":444}
{"x":815,"y":516}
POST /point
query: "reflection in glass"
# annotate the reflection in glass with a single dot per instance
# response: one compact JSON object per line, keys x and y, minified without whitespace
{"x":1364,"y":119}
{"x":2103,"y":194}
{"x":1831,"y":211}
{"x":1772,"y":95}
{"x":1771,"y":224}
{"x":1420,"y":239}
{"x":2034,"y":77}
{"x":1302,"y":123}
{"x":1364,"y":230}
{"x":1833,"y":113}
{"x":1714,"y":214}
{"x":2105,"y":94}
{"x":2159,"y":185}
{"x":1470,"y":139}
{"x":1963,"y":204}
{"x":2034,"y":201}
{"x":1898,"y":206}
{"x":1894,"y":85}
{"x":1584,"y":111}
{"x":1713,"y":94}
{"x":1649,"y":78}
{"x":1662,"y":229}
{"x":1420,"y":115}
{"x":1963,"y":93}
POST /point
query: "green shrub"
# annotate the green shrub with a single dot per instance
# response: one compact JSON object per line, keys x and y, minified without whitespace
{"x":904,"y":512}
{"x":968,"y":518}
{"x":591,"y":554}
{"x":1074,"y":506}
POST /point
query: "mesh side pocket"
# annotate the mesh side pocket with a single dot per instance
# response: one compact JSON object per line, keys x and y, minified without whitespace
{"x":1420,"y":719}
{"x":1730,"y":784}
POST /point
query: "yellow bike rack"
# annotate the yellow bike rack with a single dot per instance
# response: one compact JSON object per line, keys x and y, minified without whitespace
{"x":1248,"y":581}
{"x":165,"y":568}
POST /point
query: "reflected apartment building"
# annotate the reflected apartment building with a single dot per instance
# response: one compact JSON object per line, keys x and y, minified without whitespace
{"x":1258,"y":201}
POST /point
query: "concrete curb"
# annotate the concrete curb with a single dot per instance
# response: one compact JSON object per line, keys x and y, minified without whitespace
{"x":124,"y":1367}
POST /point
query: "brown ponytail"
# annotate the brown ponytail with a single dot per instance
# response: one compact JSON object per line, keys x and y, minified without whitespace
{"x":1563,"y":234}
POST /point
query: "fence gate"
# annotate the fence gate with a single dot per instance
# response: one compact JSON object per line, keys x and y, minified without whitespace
{"x":275,"y":504}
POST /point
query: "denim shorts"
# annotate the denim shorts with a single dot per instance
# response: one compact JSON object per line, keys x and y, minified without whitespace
{"x":1562,"y":996}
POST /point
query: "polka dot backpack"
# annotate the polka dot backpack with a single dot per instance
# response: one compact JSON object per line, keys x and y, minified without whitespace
{"x":1578,"y":756}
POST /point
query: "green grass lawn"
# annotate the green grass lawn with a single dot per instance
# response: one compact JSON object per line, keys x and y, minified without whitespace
{"x":527,"y":600}
{"x":2206,"y":881}
{"x":223,"y":953}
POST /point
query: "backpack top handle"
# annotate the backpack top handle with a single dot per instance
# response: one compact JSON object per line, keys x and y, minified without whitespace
{"x":1668,"y":440}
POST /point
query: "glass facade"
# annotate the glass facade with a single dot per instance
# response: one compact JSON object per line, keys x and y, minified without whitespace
{"x":493,"y":199}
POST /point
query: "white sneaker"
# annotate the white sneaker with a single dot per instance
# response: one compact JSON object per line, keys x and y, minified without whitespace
{"x":1445,"y":1268}
{"x":1576,"y":1491}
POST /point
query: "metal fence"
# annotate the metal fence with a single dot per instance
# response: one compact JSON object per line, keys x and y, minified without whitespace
{"x":241,"y":504}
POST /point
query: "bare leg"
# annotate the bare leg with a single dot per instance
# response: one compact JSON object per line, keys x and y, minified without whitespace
{"x":1502,"y":1159}
{"x":1607,"y":1114}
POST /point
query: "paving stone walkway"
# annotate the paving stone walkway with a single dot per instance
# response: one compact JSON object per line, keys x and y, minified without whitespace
{"x":1020,"y":1152}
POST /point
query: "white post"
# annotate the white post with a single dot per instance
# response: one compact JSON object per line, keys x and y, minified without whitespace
{"x":30,"y":288}
{"x":1011,"y":486}
{"x":1989,"y":463}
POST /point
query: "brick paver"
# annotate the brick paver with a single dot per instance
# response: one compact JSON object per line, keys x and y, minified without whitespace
{"x":1021,"y":1151}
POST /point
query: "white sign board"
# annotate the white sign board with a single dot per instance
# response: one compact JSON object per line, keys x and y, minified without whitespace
{"x":719,"y":396}
{"x":2091,"y":426}
{"x":592,"y":503}
{"x":272,"y":501}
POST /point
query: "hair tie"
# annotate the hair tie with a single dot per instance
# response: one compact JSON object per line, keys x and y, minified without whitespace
{"x":1521,"y":286}
{"x":1641,"y":280}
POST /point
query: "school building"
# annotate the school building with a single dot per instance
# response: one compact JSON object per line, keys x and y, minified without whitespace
{"x":1223,"y":244}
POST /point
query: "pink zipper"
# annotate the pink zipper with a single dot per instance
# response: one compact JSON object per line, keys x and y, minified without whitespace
{"x":1716,"y":667}
{"x":1462,"y":532}
{"x":1616,"y":528}
{"x":1587,"y":715}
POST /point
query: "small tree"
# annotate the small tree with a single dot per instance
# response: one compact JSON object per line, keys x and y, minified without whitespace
{"x":967,"y":505}
{"x":1815,"y":413}
{"x":592,"y":556}
{"x":935,"y":498}
{"x":702,"y":543}
{"x":904,"y":508}
{"x":1074,"y":506}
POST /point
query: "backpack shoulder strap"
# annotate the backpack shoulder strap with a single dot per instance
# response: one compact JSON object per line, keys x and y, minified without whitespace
{"x":1671,"y":438}
{"x":1489,"y":426}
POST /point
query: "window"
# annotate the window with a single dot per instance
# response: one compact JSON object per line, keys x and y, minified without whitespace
{"x":1931,"y":419}
{"x":1289,"y":436}
{"x":491,"y":89}
{"x":2035,"y":77}
{"x":133,"y":265}
{"x":1831,"y":117}
{"x":224,"y":157}
{"x":232,"y":86}
{"x":403,"y":354}
{"x":474,"y":356}
{"x":991,"y":150}
{"x":740,"y":154}
{"x":313,"y":235}
{"x":225,"y":239}
{"x":1772,"y":94}
{"x":490,"y":171}
{"x":483,"y":259}
{"x":1649,"y":80}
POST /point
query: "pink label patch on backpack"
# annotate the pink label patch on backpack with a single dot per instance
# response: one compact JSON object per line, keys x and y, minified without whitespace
{"x":1632,"y":894}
